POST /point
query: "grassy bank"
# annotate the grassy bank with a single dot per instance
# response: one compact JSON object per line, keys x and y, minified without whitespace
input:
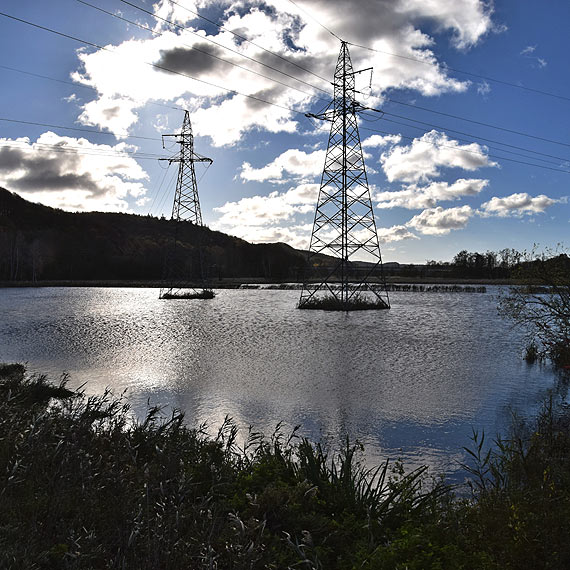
{"x":85,"y":486}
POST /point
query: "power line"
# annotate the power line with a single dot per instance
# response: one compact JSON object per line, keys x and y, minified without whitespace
{"x":560,"y":158}
{"x":505,"y":129}
{"x":315,"y":20}
{"x":80,"y":129}
{"x":80,"y":150}
{"x":432,"y":125}
{"x":157,"y":193}
{"x":180,"y":108}
{"x":251,"y":96}
{"x":146,"y":28}
{"x":162,"y":68}
{"x":82,"y":85}
{"x":467,"y":150}
{"x":96,"y":131}
{"x":249,"y":41}
{"x":220,"y":45}
{"x":456,"y":70}
{"x":154,"y":65}
{"x":489,"y":147}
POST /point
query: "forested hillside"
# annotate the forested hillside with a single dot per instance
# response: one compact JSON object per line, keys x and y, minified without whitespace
{"x":39,"y":243}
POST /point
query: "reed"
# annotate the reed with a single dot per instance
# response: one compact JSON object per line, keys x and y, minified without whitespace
{"x":84,"y":485}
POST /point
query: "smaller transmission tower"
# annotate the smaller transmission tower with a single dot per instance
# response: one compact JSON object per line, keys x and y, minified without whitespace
{"x":344,"y":228}
{"x":182,"y":266}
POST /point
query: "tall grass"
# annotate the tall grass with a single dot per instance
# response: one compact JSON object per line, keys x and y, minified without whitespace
{"x":83,"y":485}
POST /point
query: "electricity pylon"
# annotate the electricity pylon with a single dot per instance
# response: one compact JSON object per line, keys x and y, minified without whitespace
{"x":344,"y":226}
{"x":178,"y":271}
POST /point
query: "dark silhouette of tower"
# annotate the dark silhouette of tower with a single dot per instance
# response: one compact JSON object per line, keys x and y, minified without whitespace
{"x":344,"y":228}
{"x":182,"y":269}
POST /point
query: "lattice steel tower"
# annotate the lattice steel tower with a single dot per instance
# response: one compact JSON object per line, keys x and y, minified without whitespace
{"x":178,"y":271}
{"x":344,"y":225}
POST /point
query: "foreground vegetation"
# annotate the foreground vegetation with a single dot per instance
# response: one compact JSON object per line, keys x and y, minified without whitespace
{"x":85,"y":486}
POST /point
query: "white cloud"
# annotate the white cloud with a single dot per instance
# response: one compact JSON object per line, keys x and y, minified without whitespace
{"x":115,"y":114}
{"x":517,"y":205}
{"x":271,"y":218}
{"x":125,"y":82}
{"x":415,"y":197}
{"x":483,"y":88}
{"x":423,"y":159}
{"x":174,"y":12}
{"x":267,"y":210}
{"x":69,"y":173}
{"x":381,"y":141}
{"x":292,"y":161}
{"x":395,"y":233}
{"x":297,"y":236}
{"x":469,"y":20}
{"x":529,"y":52}
{"x":439,"y":221}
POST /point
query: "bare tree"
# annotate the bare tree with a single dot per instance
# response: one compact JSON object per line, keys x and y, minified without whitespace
{"x":542,"y":305}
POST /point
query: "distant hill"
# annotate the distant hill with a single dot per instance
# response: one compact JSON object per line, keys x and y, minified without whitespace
{"x":39,"y":243}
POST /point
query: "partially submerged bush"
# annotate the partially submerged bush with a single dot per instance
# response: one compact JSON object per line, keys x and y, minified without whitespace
{"x":542,"y":307}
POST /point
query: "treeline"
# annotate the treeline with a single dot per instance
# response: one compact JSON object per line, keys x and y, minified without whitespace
{"x":501,"y":264}
{"x":488,"y":265}
{"x":38,"y":243}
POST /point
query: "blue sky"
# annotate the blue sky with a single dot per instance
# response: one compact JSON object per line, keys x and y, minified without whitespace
{"x":439,"y":183}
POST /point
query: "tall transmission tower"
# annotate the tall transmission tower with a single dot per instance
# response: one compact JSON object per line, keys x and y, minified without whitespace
{"x":179,"y":275}
{"x":344,"y":227}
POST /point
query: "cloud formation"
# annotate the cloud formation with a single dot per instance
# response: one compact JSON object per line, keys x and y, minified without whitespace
{"x":258,"y":218}
{"x":529,"y":52}
{"x":439,"y":221}
{"x":378,"y":141}
{"x":518,"y":204}
{"x":395,"y":233}
{"x":427,"y":155}
{"x":125,"y":81}
{"x":415,"y":197}
{"x":72,"y":174}
{"x":293,"y":161}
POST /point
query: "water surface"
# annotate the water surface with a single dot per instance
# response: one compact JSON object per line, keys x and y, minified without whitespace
{"x":411,"y":382}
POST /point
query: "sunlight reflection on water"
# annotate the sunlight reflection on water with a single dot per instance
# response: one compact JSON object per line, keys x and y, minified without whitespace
{"x":410,"y":382}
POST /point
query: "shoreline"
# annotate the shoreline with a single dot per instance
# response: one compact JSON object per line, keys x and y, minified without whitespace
{"x":236,"y":283}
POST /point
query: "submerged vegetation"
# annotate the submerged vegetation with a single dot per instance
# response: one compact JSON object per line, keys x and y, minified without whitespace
{"x":356,"y":302}
{"x":84,"y":485}
{"x":188,"y":294}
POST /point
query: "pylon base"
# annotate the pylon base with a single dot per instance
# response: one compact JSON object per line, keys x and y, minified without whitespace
{"x":187,"y":294}
{"x":332,"y":303}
